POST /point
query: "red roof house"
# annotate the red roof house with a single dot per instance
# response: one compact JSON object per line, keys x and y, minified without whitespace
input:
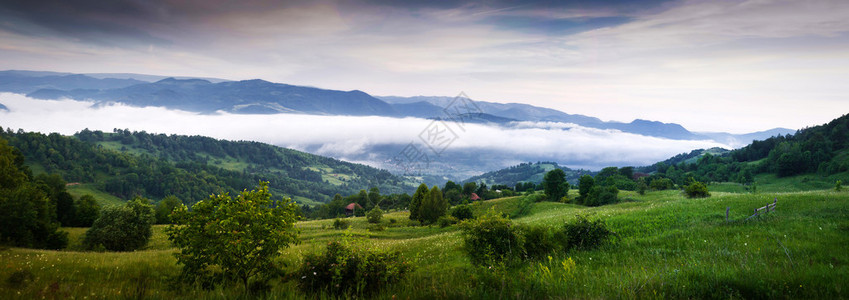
{"x":349,"y":210}
{"x":474,"y":197}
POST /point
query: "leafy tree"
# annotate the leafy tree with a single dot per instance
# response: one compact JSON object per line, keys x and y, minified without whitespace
{"x":165,"y":207}
{"x":374,"y":215}
{"x":232,"y":238}
{"x":585,"y":186}
{"x":433,"y":206}
{"x":122,"y":228}
{"x":696,"y":190}
{"x":374,"y":196}
{"x":27,"y":219}
{"x":87,"y":211}
{"x":555,"y":184}
{"x":602,"y":195}
{"x":469,"y":188}
{"x":416,"y":202}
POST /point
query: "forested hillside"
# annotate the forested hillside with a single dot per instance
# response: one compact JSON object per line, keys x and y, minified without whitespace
{"x":126,"y":164}
{"x":821,"y":150}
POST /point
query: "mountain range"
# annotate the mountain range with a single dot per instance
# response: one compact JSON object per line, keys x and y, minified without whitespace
{"x":211,"y":95}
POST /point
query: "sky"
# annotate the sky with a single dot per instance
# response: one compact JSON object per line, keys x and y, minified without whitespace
{"x":735,"y":66}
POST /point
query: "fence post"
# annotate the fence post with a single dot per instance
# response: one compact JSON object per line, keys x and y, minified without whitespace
{"x":727,"y":208}
{"x":756,"y":213}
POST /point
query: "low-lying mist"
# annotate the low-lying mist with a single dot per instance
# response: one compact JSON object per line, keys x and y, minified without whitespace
{"x":474,"y":148}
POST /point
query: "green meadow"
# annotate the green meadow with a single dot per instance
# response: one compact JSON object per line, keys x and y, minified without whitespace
{"x":667,"y":246}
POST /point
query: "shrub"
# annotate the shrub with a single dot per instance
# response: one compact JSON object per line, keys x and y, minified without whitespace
{"x":446,"y":221}
{"x":122,"y":228}
{"x":585,"y":234}
{"x":539,"y":241}
{"x":492,"y":239}
{"x":375,"y":215}
{"x":838,"y":186}
{"x":661,"y":184}
{"x":341,"y":224}
{"x":19,"y":279}
{"x":696,"y":190}
{"x":463,"y":212}
{"x":342,"y":270}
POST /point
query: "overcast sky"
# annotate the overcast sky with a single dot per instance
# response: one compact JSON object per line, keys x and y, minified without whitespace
{"x":734,"y":66}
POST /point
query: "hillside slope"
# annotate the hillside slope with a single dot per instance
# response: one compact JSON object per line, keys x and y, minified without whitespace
{"x":127,"y":163}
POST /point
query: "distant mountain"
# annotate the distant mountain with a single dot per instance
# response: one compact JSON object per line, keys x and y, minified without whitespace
{"x":248,"y":96}
{"x":740,"y":140}
{"x":525,"y":112}
{"x":23,"y":82}
{"x":263,"y":97}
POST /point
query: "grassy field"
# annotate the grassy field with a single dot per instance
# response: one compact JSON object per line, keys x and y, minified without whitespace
{"x":667,"y":247}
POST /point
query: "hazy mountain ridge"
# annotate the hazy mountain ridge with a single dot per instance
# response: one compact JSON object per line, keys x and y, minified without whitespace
{"x":263,"y":97}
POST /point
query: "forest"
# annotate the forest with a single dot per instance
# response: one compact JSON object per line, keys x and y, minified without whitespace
{"x":127,"y":164}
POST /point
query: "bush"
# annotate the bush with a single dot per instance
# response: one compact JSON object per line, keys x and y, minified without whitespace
{"x":122,"y":228}
{"x":539,"y":241}
{"x":341,"y":270}
{"x":341,"y":224}
{"x":838,"y":186}
{"x":492,"y":240}
{"x":585,"y":234}
{"x":696,"y":190}
{"x":463,"y":212}
{"x":446,"y":221}
{"x":375,"y":215}
{"x":19,"y":279}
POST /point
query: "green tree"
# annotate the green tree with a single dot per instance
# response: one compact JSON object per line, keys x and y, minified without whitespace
{"x":165,"y":207}
{"x":838,"y":186}
{"x":27,"y":218}
{"x":585,"y":186}
{"x":122,"y":228}
{"x":416,"y":202}
{"x":555,"y":185}
{"x":232,"y":238}
{"x":87,"y":211}
{"x":374,"y":215}
{"x":469,"y":188}
{"x":374,"y":196}
{"x":433,"y":206}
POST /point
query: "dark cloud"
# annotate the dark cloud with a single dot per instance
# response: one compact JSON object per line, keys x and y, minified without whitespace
{"x":100,"y":22}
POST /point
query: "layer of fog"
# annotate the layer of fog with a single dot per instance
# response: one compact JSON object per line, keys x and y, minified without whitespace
{"x":359,"y":139}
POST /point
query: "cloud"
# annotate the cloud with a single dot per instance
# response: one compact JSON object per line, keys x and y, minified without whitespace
{"x":362,"y":139}
{"x":729,"y":65}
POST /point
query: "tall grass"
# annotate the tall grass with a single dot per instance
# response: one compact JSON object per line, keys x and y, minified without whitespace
{"x":668,"y":247}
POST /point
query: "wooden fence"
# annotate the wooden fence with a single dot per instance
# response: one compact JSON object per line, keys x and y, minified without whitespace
{"x":758,"y":211}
